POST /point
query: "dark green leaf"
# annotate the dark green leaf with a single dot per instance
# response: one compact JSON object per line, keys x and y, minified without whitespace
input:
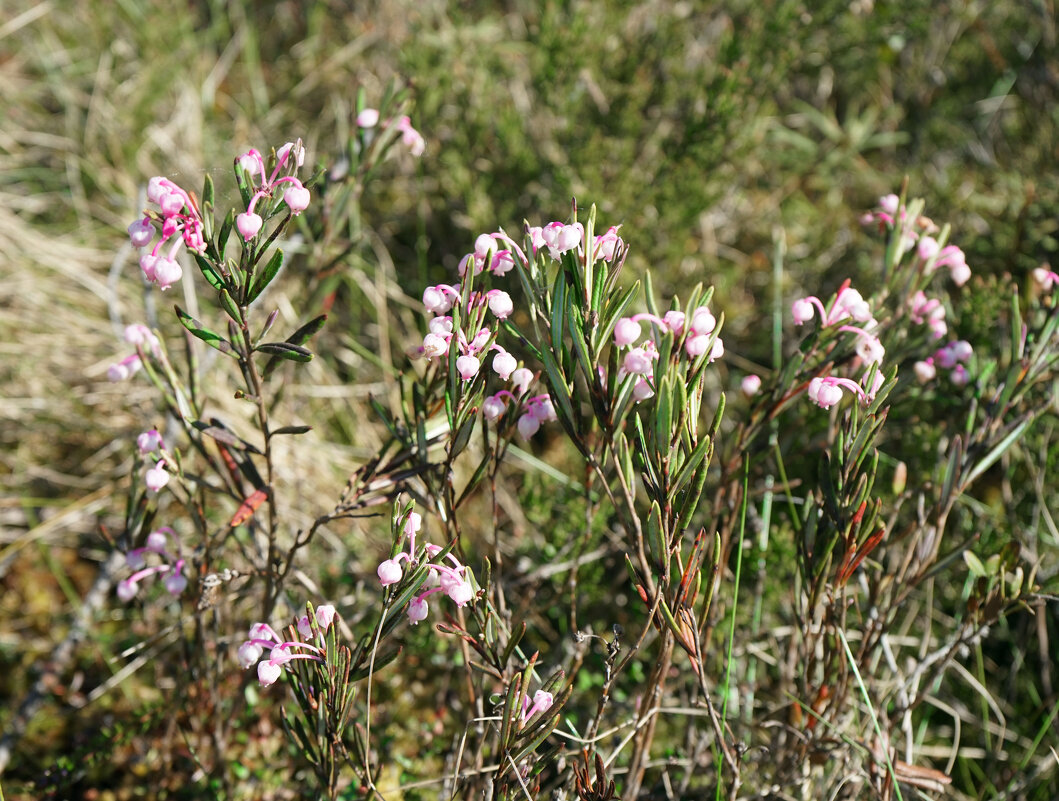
{"x":263,"y":277}
{"x":230,"y":307}
{"x":292,"y":430}
{"x":209,"y":272}
{"x":211,"y":338}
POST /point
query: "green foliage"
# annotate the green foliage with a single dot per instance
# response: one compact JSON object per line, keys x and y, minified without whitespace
{"x":706,"y":130}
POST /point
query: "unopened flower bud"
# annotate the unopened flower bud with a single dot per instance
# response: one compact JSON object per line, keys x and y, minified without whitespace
{"x":626,"y":331}
{"x":389,"y":572}
{"x":268,"y":672}
{"x":492,"y":407}
{"x":528,"y":425}
{"x":248,"y":224}
{"x":248,"y":654}
{"x":157,"y":477}
{"x":504,"y":364}
{"x":149,"y":441}
{"x":176,"y":583}
{"x":467,"y":367}
{"x":521,"y":379}
{"x":925,"y":371}
{"x":368,"y":118}
{"x":141,"y":232}
{"x":500,"y":304}
{"x":417,"y":611}
{"x":703,"y":321}
{"x":127,"y":590}
{"x":297,"y":198}
{"x":750,"y":385}
{"x":325,"y":616}
{"x":802,"y":310}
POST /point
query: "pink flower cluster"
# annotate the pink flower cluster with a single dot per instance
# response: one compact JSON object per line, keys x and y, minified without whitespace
{"x":931,"y":255}
{"x":410,"y":137}
{"x":952,"y":357}
{"x":262,"y":636}
{"x":288,"y":159}
{"x":640,"y":359}
{"x":542,"y":702}
{"x":450,"y":580}
{"x":156,"y":476}
{"x":179,"y":216}
{"x":848,"y":305}
{"x":172,"y":565}
{"x":929,"y":311}
{"x":141,"y":337}
{"x":497,"y":254}
{"x":1044,"y":278}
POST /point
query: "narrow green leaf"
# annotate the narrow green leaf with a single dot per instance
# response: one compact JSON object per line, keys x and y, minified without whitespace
{"x":280,"y":351}
{"x":307,"y":331}
{"x":560,"y":392}
{"x":226,"y":230}
{"x":952,"y":471}
{"x":211,"y":338}
{"x":1001,"y":447}
{"x":230,"y":307}
{"x":207,"y":190}
{"x":291,"y":430}
{"x":286,"y":350}
{"x":263,"y":277}
{"x":213,"y":278}
{"x":691,"y":464}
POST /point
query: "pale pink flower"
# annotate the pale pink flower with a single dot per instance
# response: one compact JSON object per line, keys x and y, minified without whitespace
{"x":608,"y":244}
{"x":528,"y":425}
{"x":417,"y":610}
{"x":504,"y":364}
{"x":141,"y":232}
{"x":802,"y":311}
{"x":492,"y":407}
{"x":295,"y":149}
{"x":468,"y":367}
{"x":642,"y":390}
{"x":297,"y":198}
{"x":521,"y":379}
{"x":639,"y":361}
{"x":503,"y":262}
{"x":149,"y":441}
{"x":434,"y":346}
{"x":626,"y":331}
{"x":268,"y":672}
{"x":500,"y":303}
{"x":368,"y":118}
{"x":325,"y":615}
{"x":1044,"y":279}
{"x":176,"y":582}
{"x":674,"y":321}
{"x":484,"y":245}
{"x":248,"y":224}
{"x":750,"y":385}
{"x":702,"y":321}
{"x":124,"y":369}
{"x":248,"y":653}
{"x":157,"y":477}
{"x":166,"y":273}
{"x":925,"y":371}
{"x":389,"y":572}
{"x":442,"y":326}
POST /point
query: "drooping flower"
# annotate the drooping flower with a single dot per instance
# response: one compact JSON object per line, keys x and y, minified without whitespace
{"x":750,"y":385}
